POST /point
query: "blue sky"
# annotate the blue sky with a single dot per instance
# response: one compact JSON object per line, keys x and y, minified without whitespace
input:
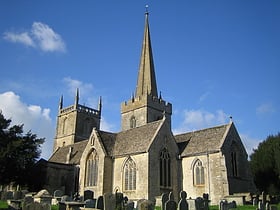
{"x":213,"y":59}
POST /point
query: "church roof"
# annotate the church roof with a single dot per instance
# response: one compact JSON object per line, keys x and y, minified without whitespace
{"x":136,"y":140}
{"x":60,"y":155}
{"x":201,"y":141}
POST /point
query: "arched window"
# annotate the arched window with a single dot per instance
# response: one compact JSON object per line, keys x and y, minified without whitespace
{"x":198,"y":172}
{"x":132,"y":122}
{"x":130,"y":175}
{"x":165,"y":168}
{"x":91,"y":169}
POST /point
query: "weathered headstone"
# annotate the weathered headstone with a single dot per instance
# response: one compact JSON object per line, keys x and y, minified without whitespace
{"x":26,"y":201}
{"x":65,"y":198}
{"x":145,"y":205}
{"x":100,"y":203}
{"x":57,"y":194}
{"x":43,"y":196}
{"x":119,"y":201}
{"x":191,"y":203}
{"x":18,"y":195}
{"x":109,"y":201}
{"x":267,"y":206}
{"x":90,"y":203}
{"x":164,"y":199}
{"x":38,"y":206}
{"x":206,"y":201}
{"x":88,"y":194}
{"x":260,"y":205}
{"x":170,"y":204}
{"x":199,"y":203}
{"x":129,"y":205}
{"x":183,"y":204}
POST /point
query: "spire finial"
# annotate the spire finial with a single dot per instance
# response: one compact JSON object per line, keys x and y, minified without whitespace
{"x":147,"y":10}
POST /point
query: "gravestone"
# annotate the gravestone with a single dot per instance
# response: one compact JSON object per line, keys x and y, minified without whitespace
{"x":183,"y":204}
{"x":129,"y":205}
{"x":119,"y":201}
{"x":199,"y":203}
{"x":267,"y":206}
{"x":18,"y":195}
{"x":109,"y":201}
{"x":43,"y":196}
{"x":57,"y":194}
{"x":26,"y":200}
{"x":206,"y":201}
{"x":100,"y":203}
{"x":90,"y":203}
{"x":191,"y":203}
{"x":65,"y":198}
{"x":145,"y":205}
{"x":260,"y":205}
{"x":170,"y":204}
{"x":164,"y":199}
{"x":88,"y":194}
{"x":38,"y":206}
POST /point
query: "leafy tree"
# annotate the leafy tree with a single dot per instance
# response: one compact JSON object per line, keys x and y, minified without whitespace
{"x":265,"y":165}
{"x":18,"y":152}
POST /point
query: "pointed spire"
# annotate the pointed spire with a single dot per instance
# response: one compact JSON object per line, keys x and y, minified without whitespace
{"x":77,"y":97}
{"x":146,"y":83}
{"x":61,"y":102}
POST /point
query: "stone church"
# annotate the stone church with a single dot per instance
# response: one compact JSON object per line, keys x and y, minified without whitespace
{"x":144,"y":159}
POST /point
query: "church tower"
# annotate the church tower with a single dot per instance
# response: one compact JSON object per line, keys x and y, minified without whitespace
{"x":145,"y":106}
{"x":75,"y":122}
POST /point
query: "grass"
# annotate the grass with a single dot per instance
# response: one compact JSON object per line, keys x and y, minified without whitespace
{"x":4,"y":206}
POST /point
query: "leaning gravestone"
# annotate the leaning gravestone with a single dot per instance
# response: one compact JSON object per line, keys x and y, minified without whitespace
{"x":183,"y":204}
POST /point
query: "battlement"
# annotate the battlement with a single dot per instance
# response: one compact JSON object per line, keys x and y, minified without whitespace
{"x":151,"y":101}
{"x":80,"y":108}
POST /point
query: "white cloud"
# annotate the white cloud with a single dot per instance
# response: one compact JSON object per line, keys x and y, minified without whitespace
{"x":34,"y":118}
{"x":249,"y":143}
{"x":199,"y":119}
{"x":85,"y":89}
{"x":264,"y":109}
{"x":47,"y":39}
{"x":40,"y":36}
{"x":22,"y":38}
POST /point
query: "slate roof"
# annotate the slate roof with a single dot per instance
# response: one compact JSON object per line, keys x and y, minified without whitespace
{"x":60,"y":155}
{"x":136,"y":140}
{"x":201,"y":141}
{"x":133,"y":141}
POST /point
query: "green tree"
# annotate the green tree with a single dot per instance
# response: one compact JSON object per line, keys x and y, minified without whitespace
{"x":265,"y":165}
{"x":18,"y":152}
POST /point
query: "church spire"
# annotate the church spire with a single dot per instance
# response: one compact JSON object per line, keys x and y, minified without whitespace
{"x":146,"y":83}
